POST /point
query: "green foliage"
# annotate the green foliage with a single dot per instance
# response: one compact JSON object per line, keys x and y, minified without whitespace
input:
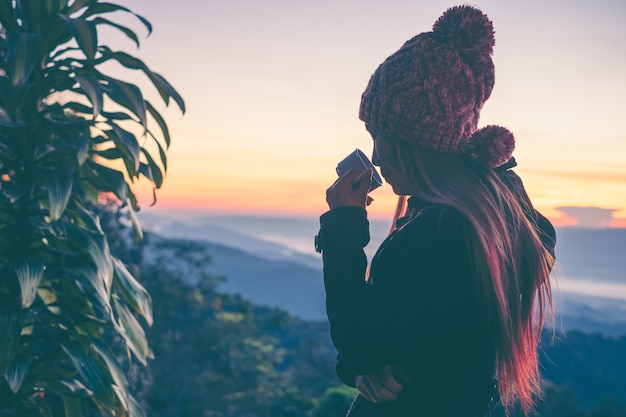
{"x":335,"y":402}
{"x":214,"y":354}
{"x":67,"y":135}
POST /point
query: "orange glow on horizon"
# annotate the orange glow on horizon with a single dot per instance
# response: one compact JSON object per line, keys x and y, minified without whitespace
{"x":303,"y":206}
{"x":563,"y":221}
{"x":618,"y":223}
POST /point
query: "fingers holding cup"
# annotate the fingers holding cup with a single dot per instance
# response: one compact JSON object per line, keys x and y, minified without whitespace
{"x":349,"y":190}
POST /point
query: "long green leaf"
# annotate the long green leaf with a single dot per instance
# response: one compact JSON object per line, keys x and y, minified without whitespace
{"x":155,"y":170}
{"x":134,"y":408}
{"x":63,"y":51}
{"x":111,"y":179}
{"x":43,"y":407}
{"x":83,"y":142}
{"x":132,"y":333}
{"x":48,"y":297}
{"x":92,"y":374}
{"x":22,"y":55}
{"x":89,"y":184}
{"x":12,"y":195}
{"x":133,"y":292}
{"x":11,"y":325}
{"x":74,"y":387}
{"x":119,"y":379}
{"x":133,"y":200}
{"x":145,"y":170}
{"x":128,"y":32}
{"x":31,"y":14}
{"x":162,"y":155}
{"x":100,"y":286}
{"x":110,"y":154}
{"x":160,"y":121}
{"x":56,"y":33}
{"x":16,"y":372}
{"x":85,"y":33}
{"x":101,"y":8}
{"x":54,"y":6}
{"x":117,"y":116}
{"x":7,"y":20}
{"x":166,"y":90}
{"x":64,"y":382}
{"x":78,"y":107}
{"x":128,"y":96}
{"x":137,"y":231}
{"x":90,"y":85}
{"x":77,"y":5}
{"x":29,"y":276}
{"x":72,"y":407}
{"x":59,"y":192}
{"x":5,"y":120}
{"x":145,"y":22}
{"x":128,"y":143}
{"x":56,"y":80}
{"x":123,"y":58}
{"x":90,"y":220}
{"x":98,"y":248}
{"x":103,"y":350}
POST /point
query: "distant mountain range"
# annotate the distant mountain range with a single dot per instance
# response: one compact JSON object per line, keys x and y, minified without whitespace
{"x":285,"y":284}
{"x":241,"y":233}
{"x":269,"y":273}
{"x":596,"y":254}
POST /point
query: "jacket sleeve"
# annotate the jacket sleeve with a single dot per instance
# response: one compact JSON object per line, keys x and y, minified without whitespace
{"x":344,"y":232}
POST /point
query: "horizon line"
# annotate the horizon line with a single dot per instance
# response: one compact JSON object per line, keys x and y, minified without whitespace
{"x":558,"y":223}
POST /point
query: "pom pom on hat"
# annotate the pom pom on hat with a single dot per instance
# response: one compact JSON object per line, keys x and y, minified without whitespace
{"x":491,"y":146}
{"x":468,"y":29}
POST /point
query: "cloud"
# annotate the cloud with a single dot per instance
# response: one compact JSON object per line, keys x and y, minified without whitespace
{"x":589,"y":217}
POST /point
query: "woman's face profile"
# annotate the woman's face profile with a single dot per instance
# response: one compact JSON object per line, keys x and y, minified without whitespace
{"x":385,"y":156}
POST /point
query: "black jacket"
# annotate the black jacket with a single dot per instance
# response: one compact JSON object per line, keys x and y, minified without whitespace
{"x":420,"y":312}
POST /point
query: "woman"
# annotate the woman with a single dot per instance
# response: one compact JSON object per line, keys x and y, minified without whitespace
{"x":454,"y":297}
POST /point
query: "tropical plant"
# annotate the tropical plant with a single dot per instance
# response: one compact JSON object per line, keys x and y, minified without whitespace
{"x":69,"y":133}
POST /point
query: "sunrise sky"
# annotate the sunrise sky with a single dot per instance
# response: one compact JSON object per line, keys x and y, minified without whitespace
{"x":273,"y":87}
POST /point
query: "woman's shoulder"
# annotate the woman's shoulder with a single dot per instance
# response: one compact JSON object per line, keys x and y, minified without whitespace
{"x":439,"y":218}
{"x":438,"y":223}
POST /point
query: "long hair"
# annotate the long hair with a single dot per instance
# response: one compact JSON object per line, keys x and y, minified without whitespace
{"x":511,"y":265}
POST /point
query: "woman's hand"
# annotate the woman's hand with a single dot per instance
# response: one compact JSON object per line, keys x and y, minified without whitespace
{"x":379,"y":386}
{"x":350,"y":190}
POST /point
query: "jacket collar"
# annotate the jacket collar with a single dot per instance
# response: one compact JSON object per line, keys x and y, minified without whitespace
{"x":414,"y":207}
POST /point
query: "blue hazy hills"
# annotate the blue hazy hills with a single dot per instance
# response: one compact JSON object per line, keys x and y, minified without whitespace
{"x":271,"y":261}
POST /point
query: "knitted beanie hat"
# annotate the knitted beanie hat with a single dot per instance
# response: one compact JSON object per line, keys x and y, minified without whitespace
{"x":429,"y":93}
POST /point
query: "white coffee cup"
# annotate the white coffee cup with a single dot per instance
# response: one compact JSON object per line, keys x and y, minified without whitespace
{"x":358,"y":161}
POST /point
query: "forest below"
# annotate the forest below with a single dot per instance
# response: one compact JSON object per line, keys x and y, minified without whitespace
{"x":217,"y":354}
